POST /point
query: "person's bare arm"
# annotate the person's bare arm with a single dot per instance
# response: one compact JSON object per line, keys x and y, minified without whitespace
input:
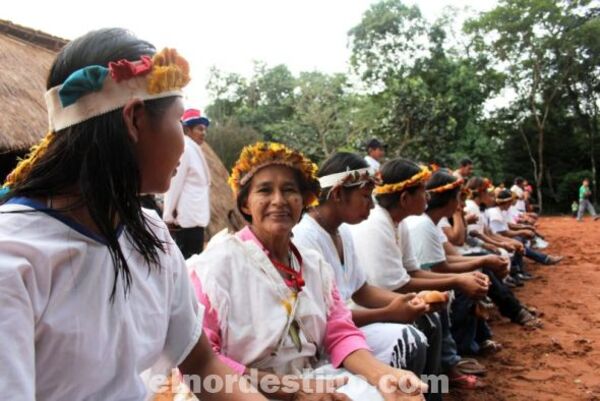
{"x":385,"y":306}
{"x":202,"y":362}
{"x":456,"y":233}
{"x":474,"y":284}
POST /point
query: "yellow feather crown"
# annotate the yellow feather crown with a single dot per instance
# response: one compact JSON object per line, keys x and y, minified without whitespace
{"x":447,"y":187}
{"x":263,"y":154}
{"x":421,"y":176}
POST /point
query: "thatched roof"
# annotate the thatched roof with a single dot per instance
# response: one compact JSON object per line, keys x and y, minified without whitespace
{"x":25,"y":58}
{"x":223,"y":210}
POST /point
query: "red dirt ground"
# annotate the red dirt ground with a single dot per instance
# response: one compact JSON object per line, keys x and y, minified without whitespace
{"x":561,"y":361}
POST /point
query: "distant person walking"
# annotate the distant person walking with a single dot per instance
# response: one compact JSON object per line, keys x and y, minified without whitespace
{"x":584,"y":201}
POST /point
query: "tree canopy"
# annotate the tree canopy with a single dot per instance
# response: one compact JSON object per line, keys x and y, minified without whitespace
{"x":515,"y":89}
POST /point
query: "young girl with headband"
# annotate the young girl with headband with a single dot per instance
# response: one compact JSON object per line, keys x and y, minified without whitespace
{"x":93,"y":290}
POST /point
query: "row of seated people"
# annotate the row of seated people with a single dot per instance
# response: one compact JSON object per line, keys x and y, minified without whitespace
{"x":344,"y":273}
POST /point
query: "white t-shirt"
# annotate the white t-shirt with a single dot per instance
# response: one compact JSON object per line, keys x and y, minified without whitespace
{"x":513,"y":214}
{"x":188,"y":196}
{"x":384,"y":250}
{"x":520,"y":204}
{"x":349,"y":277}
{"x":496,"y":219}
{"x":427,"y":240}
{"x":62,"y":338}
{"x":373,"y":164}
{"x":472,"y":208}
{"x":464,"y":249}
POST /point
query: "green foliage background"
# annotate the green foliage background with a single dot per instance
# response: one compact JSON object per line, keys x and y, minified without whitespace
{"x":430,"y":90}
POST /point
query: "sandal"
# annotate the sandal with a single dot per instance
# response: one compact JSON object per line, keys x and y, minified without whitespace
{"x":489,"y":347}
{"x":470,"y":366}
{"x":534,"y":311}
{"x":484,"y":308}
{"x":467,"y":382}
{"x":528,"y":320}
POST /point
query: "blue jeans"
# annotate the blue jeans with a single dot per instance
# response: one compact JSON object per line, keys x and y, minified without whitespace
{"x":534,"y":255}
{"x":450,"y":355}
{"x":585,"y":204}
{"x":467,"y":329}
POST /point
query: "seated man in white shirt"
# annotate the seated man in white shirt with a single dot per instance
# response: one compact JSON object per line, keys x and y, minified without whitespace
{"x":187,"y":203}
{"x":470,"y":332}
{"x":499,"y":293}
{"x":386,"y":318}
{"x":384,"y":250}
{"x":522,"y":200}
{"x":500,"y":223}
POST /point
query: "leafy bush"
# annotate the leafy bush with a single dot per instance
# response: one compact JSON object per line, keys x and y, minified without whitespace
{"x":227,"y":140}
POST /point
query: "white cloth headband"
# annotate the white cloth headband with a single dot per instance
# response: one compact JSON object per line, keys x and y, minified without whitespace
{"x":333,"y":180}
{"x":112,"y":96}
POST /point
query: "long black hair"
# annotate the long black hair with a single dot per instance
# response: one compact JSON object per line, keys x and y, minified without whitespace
{"x":95,"y":160}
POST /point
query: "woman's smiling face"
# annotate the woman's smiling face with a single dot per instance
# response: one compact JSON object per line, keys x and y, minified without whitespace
{"x":274,"y":200}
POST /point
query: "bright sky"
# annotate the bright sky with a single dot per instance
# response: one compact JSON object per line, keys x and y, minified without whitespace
{"x":229,"y":34}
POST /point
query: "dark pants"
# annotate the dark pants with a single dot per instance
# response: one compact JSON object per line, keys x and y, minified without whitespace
{"x":467,"y":329}
{"x":534,"y":255}
{"x":507,"y":303}
{"x":189,"y":240}
{"x":503,"y":297}
{"x":450,"y":355}
{"x":431,"y":326}
{"x":539,"y":257}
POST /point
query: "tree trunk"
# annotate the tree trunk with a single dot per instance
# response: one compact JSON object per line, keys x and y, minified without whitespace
{"x":534,"y":163}
{"x":593,"y":132}
{"x":553,"y":193}
{"x":539,"y":180}
{"x":589,"y":122}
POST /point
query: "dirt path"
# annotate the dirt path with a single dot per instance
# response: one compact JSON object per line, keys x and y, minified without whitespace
{"x":562,"y":360}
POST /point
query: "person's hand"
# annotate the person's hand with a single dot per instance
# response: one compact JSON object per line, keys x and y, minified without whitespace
{"x":406,"y":308}
{"x":519,"y":247}
{"x":471,"y":218}
{"x":322,"y":390}
{"x":401,"y":385}
{"x":503,"y":268}
{"x":491,"y":248}
{"x":509,"y":246}
{"x":498,"y":264}
{"x":474,"y":285}
{"x":435,"y":307}
{"x":527,"y":233}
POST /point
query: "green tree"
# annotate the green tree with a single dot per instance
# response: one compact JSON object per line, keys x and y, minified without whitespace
{"x":320,"y":123}
{"x":531,"y":39}
{"x":430,"y":94}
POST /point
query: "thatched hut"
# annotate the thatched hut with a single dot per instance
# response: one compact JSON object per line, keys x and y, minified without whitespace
{"x":25,"y":58}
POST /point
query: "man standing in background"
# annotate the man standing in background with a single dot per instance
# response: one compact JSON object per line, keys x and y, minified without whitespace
{"x":187,"y":202}
{"x":375,"y":154}
{"x":584,"y":201}
{"x":465,"y":170}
